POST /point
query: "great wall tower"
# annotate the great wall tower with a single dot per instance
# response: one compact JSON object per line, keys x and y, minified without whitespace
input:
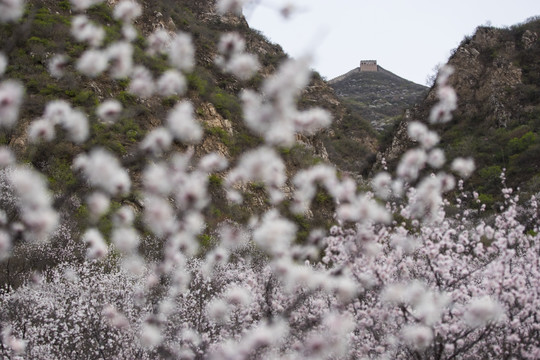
{"x":368,"y":65}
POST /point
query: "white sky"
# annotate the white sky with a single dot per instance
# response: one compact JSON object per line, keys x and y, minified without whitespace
{"x":408,"y":38}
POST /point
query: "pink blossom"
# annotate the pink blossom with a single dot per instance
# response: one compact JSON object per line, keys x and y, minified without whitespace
{"x":419,"y":337}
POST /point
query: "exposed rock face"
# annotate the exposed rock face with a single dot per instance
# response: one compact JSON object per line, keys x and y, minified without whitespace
{"x":379,"y":97}
{"x":495,"y":78}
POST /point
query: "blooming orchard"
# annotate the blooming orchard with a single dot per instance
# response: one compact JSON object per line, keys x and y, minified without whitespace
{"x":395,"y":278}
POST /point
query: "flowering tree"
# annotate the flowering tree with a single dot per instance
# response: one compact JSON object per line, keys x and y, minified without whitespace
{"x":395,"y":278}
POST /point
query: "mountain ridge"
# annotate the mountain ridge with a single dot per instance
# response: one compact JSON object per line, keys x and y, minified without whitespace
{"x":357,"y":70}
{"x":379,"y":96}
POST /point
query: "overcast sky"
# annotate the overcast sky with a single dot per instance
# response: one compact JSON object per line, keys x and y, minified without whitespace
{"x":408,"y":38}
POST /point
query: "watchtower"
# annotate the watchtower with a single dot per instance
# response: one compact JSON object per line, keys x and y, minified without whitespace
{"x":368,"y":65}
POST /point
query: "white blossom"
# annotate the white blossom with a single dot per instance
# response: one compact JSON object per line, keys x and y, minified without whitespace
{"x":102,"y":169}
{"x":463,"y":166}
{"x":126,"y":239}
{"x":231,"y":43}
{"x":127,"y":11}
{"x":5,"y":245}
{"x":182,"y":124}
{"x":171,"y":82}
{"x":41,"y":130}
{"x":35,"y":202}
{"x":157,"y":141}
{"x":142,"y":82}
{"x":120,"y":55}
{"x":11,"y":10}
{"x":382,"y":183}
{"x":150,"y":335}
{"x":7,"y":157}
{"x":310,"y":121}
{"x":81,"y":5}
{"x":57,"y":65}
{"x":213,"y":162}
{"x":109,"y":110}
{"x":92,"y":62}
{"x":57,"y":111}
{"x":123,"y":217}
{"x":243,"y":66}
{"x":436,"y":158}
{"x":97,"y":247}
{"x":11,"y":97}
{"x":274,"y":234}
{"x":233,"y":6}
{"x":3,"y":63}
{"x":76,"y":125}
{"x":98,"y":204}
{"x":159,"y":216}
{"x":84,"y":30}
{"x":158,"y":42}
{"x":411,"y":163}
{"x":182,"y":52}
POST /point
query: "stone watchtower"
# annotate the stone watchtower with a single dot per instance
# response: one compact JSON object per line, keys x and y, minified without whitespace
{"x":368,"y":65}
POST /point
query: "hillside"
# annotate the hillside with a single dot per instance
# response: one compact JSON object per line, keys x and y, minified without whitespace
{"x":497,"y":121}
{"x":379,"y":97}
{"x":45,"y":31}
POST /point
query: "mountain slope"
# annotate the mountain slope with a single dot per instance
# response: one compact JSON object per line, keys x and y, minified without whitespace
{"x":45,"y":31}
{"x":497,"y":121}
{"x":379,"y":97}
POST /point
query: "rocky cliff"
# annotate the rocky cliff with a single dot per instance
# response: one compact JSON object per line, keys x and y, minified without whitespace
{"x":497,"y":122}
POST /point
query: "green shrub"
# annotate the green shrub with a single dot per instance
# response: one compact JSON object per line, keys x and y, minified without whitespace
{"x":517,"y":145}
{"x":60,"y":174}
{"x":85,"y":98}
{"x":197,"y":83}
{"x":50,"y":89}
{"x":126,"y":98}
{"x":38,"y":40}
{"x":215,"y":180}
{"x":487,"y":199}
